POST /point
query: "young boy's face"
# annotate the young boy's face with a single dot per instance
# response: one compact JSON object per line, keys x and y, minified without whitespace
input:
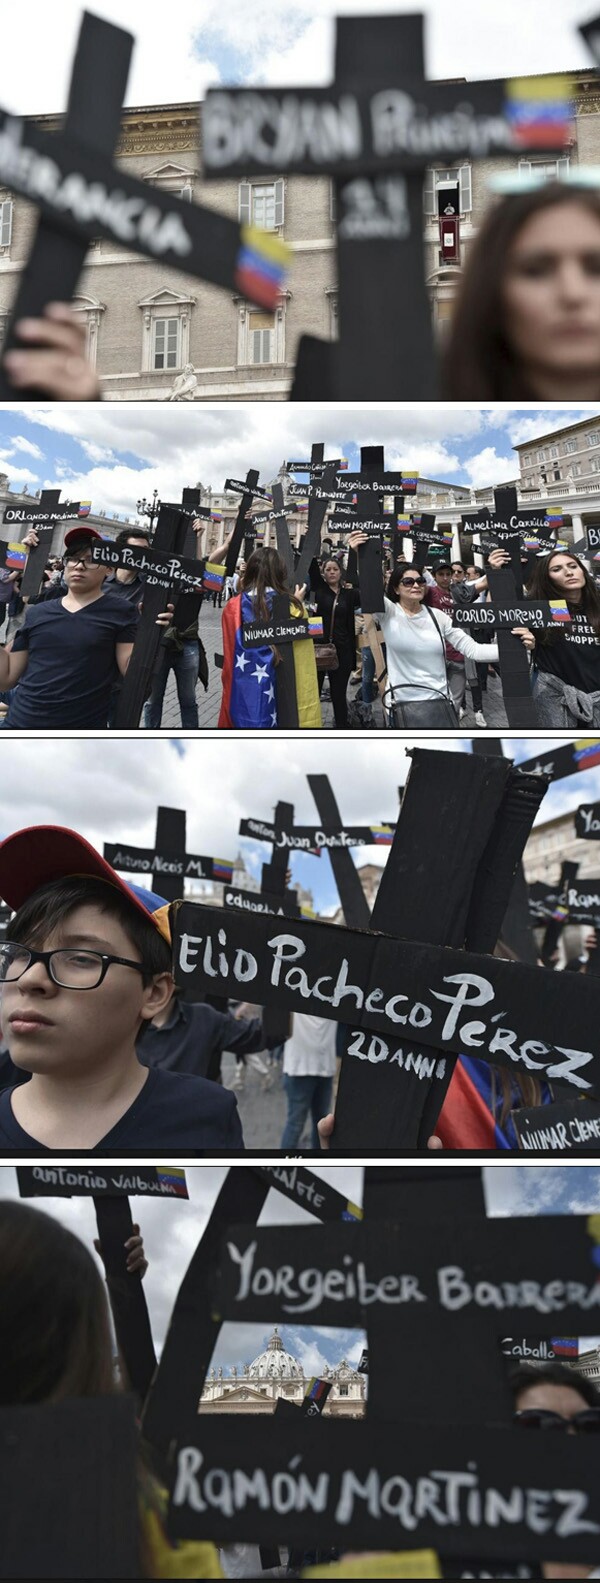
{"x":49,"y":1029}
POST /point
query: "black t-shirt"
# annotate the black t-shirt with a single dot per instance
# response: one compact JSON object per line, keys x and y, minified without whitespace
{"x":194,"y":1035}
{"x":132,"y":592}
{"x":574,"y":657}
{"x":173,"y":1114}
{"x":72,"y":663}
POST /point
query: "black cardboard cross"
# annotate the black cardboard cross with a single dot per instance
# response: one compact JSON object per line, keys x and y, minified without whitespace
{"x":348,"y":975}
{"x":248,"y":490}
{"x":371,"y":486}
{"x":195,"y":1325}
{"x":80,"y":194}
{"x":355,"y":906}
{"x":43,"y":516}
{"x":323,"y":480}
{"x":110,"y":1190}
{"x":169,"y":538}
{"x":168,"y":863}
{"x":375,"y":131}
{"x":517,"y":932}
{"x":426,"y":1285}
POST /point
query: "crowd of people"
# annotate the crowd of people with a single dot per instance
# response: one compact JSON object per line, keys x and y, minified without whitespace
{"x":409,"y":666}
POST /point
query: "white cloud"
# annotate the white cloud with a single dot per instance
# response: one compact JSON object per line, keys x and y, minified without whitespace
{"x":15,"y":473}
{"x":205,"y":41}
{"x":19,"y":443}
{"x":486,"y":467}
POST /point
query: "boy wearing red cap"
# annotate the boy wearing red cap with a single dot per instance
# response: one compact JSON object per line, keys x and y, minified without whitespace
{"x":86,"y":965}
{"x":70,"y":650}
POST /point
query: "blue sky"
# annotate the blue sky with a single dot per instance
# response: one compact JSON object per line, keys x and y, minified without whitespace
{"x":206,"y":43}
{"x":171,"y":1231}
{"x":115,"y":454}
{"x":82,"y":787}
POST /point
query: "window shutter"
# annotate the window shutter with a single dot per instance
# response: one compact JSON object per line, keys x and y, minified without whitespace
{"x":245,"y":203}
{"x":465,"y":200}
{"x":524,"y":167}
{"x":5,"y":223}
{"x":429,"y":192}
{"x":279,"y":202}
{"x":332,"y":203}
{"x":562,"y":167}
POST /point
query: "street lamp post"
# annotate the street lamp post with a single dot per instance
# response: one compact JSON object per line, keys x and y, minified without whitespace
{"x":150,"y":509}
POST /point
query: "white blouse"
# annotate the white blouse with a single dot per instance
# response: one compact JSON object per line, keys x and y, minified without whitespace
{"x":415,"y":655}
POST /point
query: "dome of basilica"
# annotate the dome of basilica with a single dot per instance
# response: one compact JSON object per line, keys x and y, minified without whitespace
{"x":275,"y":1363}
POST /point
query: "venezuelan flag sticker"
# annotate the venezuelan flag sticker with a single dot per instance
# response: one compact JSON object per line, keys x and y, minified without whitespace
{"x":261,"y":267}
{"x":315,"y":626}
{"x":539,"y":111}
{"x":85,"y":507}
{"x":587,"y":753}
{"x":172,"y":1180}
{"x":16,"y":557}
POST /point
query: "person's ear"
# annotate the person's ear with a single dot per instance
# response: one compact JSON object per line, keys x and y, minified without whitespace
{"x":157,"y":995}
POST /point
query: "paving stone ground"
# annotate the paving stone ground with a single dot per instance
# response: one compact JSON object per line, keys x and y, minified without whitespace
{"x":209,"y":702}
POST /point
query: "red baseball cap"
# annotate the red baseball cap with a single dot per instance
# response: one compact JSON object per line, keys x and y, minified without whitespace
{"x":45,"y":852}
{"x":82,"y":532}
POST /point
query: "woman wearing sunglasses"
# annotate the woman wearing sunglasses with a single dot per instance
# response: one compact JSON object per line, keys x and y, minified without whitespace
{"x":415,"y":635}
{"x":526,"y":323}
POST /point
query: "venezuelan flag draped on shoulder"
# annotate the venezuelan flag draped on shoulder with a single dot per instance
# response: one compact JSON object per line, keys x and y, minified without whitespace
{"x":249,"y":700}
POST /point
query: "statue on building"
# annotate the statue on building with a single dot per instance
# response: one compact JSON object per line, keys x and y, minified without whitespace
{"x":185,"y":385}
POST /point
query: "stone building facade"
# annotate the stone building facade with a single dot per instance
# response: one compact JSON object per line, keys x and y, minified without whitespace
{"x":257,"y":1387}
{"x":146,"y":325}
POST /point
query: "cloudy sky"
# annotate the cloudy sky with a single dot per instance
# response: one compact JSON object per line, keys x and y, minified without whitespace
{"x":109,"y":790}
{"x":172,"y":1229}
{"x":181,"y":52}
{"x":115,"y":454}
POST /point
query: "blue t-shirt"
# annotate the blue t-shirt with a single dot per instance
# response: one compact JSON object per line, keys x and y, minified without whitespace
{"x":173,"y":1114}
{"x":72,"y":663}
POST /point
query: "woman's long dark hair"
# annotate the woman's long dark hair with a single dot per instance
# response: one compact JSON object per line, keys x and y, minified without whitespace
{"x":541,"y":586}
{"x":479,"y":363}
{"x":55,"y":1338}
{"x":265,"y":569}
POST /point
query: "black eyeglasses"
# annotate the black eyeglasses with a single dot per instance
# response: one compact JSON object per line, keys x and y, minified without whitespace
{"x":80,"y":560}
{"x":585,"y":1422}
{"x":70,"y":969}
{"x":412,"y":582}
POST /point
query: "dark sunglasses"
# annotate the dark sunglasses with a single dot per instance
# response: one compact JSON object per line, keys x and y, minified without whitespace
{"x":585,"y":1422}
{"x":412,"y":582}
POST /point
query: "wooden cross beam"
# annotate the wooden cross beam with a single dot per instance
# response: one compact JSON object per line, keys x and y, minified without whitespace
{"x":483,"y":855}
{"x":322,"y":482}
{"x":43,"y":516}
{"x":587,"y":821}
{"x":571,"y":759}
{"x":248,"y":490}
{"x":375,"y":131}
{"x":195,"y":1326}
{"x":70,"y":177}
{"x":168,"y":862}
{"x":517,"y":932}
{"x":371,"y":486}
{"x":355,"y":907}
{"x":169,"y":537}
{"x":110,"y":1189}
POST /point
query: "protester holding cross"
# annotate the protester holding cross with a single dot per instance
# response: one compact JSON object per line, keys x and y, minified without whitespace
{"x":415,"y":639}
{"x":249,"y":675}
{"x":566,"y":660}
{"x":337,"y":602}
{"x":70,"y":650}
